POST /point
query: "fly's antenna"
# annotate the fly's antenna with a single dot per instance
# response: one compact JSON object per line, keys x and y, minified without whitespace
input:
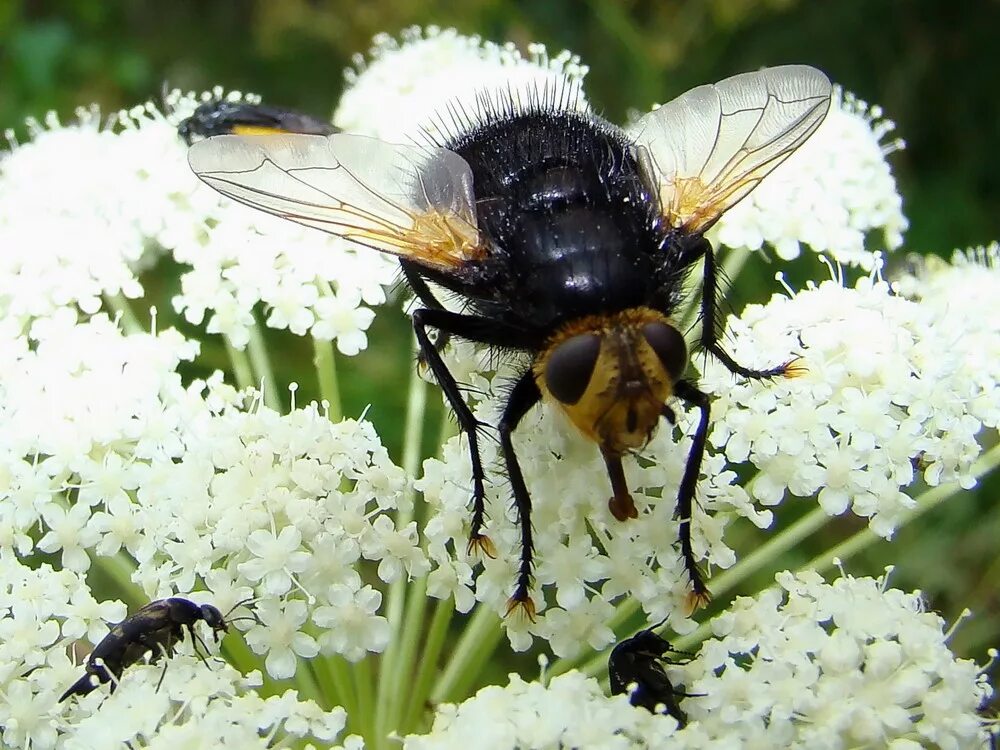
{"x":242,"y":602}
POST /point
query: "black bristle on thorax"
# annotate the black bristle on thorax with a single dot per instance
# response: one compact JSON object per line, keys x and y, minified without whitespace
{"x":570,"y":225}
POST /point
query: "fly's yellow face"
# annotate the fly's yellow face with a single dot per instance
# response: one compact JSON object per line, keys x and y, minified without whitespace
{"x":612,"y":374}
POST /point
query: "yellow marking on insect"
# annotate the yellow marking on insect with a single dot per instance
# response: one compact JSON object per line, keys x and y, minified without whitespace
{"x":255,"y":130}
{"x":623,"y":401}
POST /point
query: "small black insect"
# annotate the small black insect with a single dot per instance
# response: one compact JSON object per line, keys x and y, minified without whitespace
{"x":638,"y":661}
{"x":242,"y":118}
{"x":567,"y":238}
{"x":154,"y":629}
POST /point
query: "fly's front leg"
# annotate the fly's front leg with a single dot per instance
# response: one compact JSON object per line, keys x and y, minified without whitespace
{"x":689,"y":482}
{"x":710,"y":327}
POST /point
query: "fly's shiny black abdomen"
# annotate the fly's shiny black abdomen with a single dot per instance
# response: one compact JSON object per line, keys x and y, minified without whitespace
{"x":571,"y":226}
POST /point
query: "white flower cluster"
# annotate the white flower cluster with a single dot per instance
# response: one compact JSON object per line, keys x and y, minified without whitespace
{"x":585,"y":559}
{"x":818,"y":665}
{"x":830,"y":194}
{"x":403,"y":92}
{"x":42,"y":610}
{"x":807,"y":665}
{"x":570,"y":711}
{"x":85,"y":207}
{"x":109,"y":452}
{"x":75,"y":217}
{"x":886,"y":386}
{"x":963,"y":295}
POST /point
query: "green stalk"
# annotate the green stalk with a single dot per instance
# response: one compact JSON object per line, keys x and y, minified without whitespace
{"x":363,"y":684}
{"x":421,"y":685}
{"x":326,"y":373}
{"x":335,"y":672}
{"x":305,"y":682}
{"x":400,"y":677}
{"x":261,"y":361}
{"x":398,"y":657}
{"x":769,"y":551}
{"x":239,"y":655}
{"x":483,"y":652}
{"x":119,"y":568}
{"x":242,"y":371}
{"x":120,"y":305}
{"x":481,"y":634}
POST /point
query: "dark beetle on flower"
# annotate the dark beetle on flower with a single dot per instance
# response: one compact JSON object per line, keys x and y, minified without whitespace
{"x":565,"y":238}
{"x":637,"y":663}
{"x":154,"y":629}
{"x":243,"y":118}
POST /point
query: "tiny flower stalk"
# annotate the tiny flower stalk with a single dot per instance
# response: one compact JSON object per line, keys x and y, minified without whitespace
{"x":371,"y":623}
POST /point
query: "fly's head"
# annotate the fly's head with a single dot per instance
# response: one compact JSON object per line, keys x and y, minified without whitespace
{"x":612,"y":374}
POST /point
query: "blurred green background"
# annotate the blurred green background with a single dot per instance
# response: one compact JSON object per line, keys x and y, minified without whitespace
{"x":932,"y":65}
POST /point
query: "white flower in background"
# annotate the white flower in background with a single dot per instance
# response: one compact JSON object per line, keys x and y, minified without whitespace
{"x":963,"y":294}
{"x":105,"y":202}
{"x":831,"y":194}
{"x":886,"y":384}
{"x":401,"y":93}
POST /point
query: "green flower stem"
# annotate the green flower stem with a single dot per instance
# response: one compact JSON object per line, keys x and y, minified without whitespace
{"x":120,"y":305}
{"x":119,"y":568}
{"x":364,"y":688}
{"x":326,"y":373}
{"x":305,"y":682}
{"x":242,"y":370}
{"x":335,"y":671}
{"x":400,"y":678}
{"x":480,"y":636}
{"x":398,"y":657}
{"x":474,"y":667}
{"x":421,"y":685}
{"x":925,"y":501}
{"x":261,"y":361}
{"x":768,"y":552}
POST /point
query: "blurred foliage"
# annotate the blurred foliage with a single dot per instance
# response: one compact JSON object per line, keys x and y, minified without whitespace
{"x":930,"y":64}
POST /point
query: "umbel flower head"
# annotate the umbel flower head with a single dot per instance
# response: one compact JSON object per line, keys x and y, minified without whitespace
{"x":124,"y":479}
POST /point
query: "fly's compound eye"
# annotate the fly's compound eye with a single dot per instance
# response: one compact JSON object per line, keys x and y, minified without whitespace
{"x":670,"y":348}
{"x":571,"y":366}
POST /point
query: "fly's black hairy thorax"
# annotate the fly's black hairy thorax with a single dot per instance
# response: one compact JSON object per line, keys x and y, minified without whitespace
{"x":570,"y":226}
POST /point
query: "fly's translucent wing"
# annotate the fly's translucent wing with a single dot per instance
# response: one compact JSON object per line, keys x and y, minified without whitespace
{"x":708,"y":148}
{"x":410,"y":201}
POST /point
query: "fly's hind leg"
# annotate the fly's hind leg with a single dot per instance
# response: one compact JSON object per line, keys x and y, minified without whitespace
{"x":710,"y":328}
{"x":474,"y":329}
